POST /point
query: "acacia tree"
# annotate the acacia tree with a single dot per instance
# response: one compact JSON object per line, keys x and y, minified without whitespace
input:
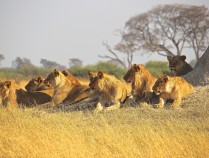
{"x":51,"y":64}
{"x":195,"y":24}
{"x":21,"y":62}
{"x":170,"y":29}
{"x":75,"y":62}
{"x":126,"y":47}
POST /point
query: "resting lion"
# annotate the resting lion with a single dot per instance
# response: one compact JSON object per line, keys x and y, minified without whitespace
{"x":8,"y":94}
{"x":110,"y":89}
{"x":67,"y":89}
{"x":141,"y":80}
{"x":37,"y":84}
{"x":171,"y":88}
{"x":178,"y":66}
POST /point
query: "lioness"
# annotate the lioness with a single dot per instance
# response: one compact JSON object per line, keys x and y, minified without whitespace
{"x":37,"y":84}
{"x":141,"y":80}
{"x":11,"y":94}
{"x":8,"y":94}
{"x":110,"y":89}
{"x":178,"y":66}
{"x":66,"y":89}
{"x":171,"y":88}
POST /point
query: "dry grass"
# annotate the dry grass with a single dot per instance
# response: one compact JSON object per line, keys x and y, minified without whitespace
{"x":128,"y":132}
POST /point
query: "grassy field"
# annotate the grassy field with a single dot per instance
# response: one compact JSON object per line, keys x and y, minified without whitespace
{"x":127,"y":132}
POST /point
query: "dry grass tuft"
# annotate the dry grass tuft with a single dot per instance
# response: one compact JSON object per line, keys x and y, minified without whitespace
{"x":127,"y":132}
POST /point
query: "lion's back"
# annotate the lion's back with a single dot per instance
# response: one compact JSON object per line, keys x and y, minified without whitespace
{"x":184,"y":86}
{"x":113,"y":87}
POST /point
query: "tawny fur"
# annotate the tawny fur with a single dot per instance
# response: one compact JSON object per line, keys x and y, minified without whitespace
{"x":37,"y":84}
{"x":66,"y":89}
{"x":11,"y":94}
{"x":172,"y":88}
{"x":110,"y":88}
{"x":8,"y":94}
{"x":141,"y":80}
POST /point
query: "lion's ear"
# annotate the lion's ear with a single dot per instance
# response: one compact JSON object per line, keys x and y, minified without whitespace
{"x":38,"y":79}
{"x":170,"y":58}
{"x":56,"y":72}
{"x":165,"y":78}
{"x":100,"y":74}
{"x":7,"y":84}
{"x":183,"y":57}
{"x":65,"y":73}
{"x":90,"y":73}
{"x":136,"y":67}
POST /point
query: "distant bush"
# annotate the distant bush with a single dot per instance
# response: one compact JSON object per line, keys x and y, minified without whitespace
{"x":27,"y":72}
{"x":24,"y":72}
{"x":157,"y":68}
{"x":101,"y":66}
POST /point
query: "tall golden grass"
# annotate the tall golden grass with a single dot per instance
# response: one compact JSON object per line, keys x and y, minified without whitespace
{"x":128,"y":132}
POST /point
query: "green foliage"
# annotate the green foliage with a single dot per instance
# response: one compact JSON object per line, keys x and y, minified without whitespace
{"x":27,"y":72}
{"x":157,"y":68}
{"x":23,"y":72}
{"x":101,"y":66}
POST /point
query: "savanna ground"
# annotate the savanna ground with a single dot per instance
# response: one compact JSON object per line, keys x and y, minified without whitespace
{"x":128,"y":132}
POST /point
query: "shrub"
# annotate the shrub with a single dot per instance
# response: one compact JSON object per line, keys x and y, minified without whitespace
{"x":157,"y":68}
{"x":101,"y":66}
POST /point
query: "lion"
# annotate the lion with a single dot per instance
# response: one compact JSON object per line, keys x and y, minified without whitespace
{"x":31,"y":99}
{"x":37,"y":84}
{"x":171,"y":88}
{"x":11,"y":96}
{"x":8,"y":94}
{"x":141,"y":80}
{"x":66,"y":88}
{"x":178,"y":66}
{"x":110,"y":88}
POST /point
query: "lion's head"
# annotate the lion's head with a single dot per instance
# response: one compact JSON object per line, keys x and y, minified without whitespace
{"x":54,"y":78}
{"x":135,"y":71}
{"x":8,"y":93}
{"x":176,"y":62}
{"x":94,"y":78}
{"x":178,"y":66}
{"x":36,"y":84}
{"x":161,"y":85}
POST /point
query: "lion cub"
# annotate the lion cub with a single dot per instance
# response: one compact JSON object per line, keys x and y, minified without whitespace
{"x":178,"y":66}
{"x":8,"y":94}
{"x":110,"y":88}
{"x":171,"y":88}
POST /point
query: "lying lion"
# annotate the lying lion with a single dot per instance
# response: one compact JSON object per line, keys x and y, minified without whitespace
{"x":37,"y":84}
{"x":171,"y":88}
{"x":110,"y":89}
{"x":67,"y":88}
{"x":178,"y":66}
{"x":141,"y":80}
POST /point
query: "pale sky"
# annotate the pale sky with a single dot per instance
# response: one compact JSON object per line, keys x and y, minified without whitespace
{"x":58,"y":30}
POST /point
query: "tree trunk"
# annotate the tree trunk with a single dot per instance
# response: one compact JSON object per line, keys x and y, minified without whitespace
{"x":200,"y":75}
